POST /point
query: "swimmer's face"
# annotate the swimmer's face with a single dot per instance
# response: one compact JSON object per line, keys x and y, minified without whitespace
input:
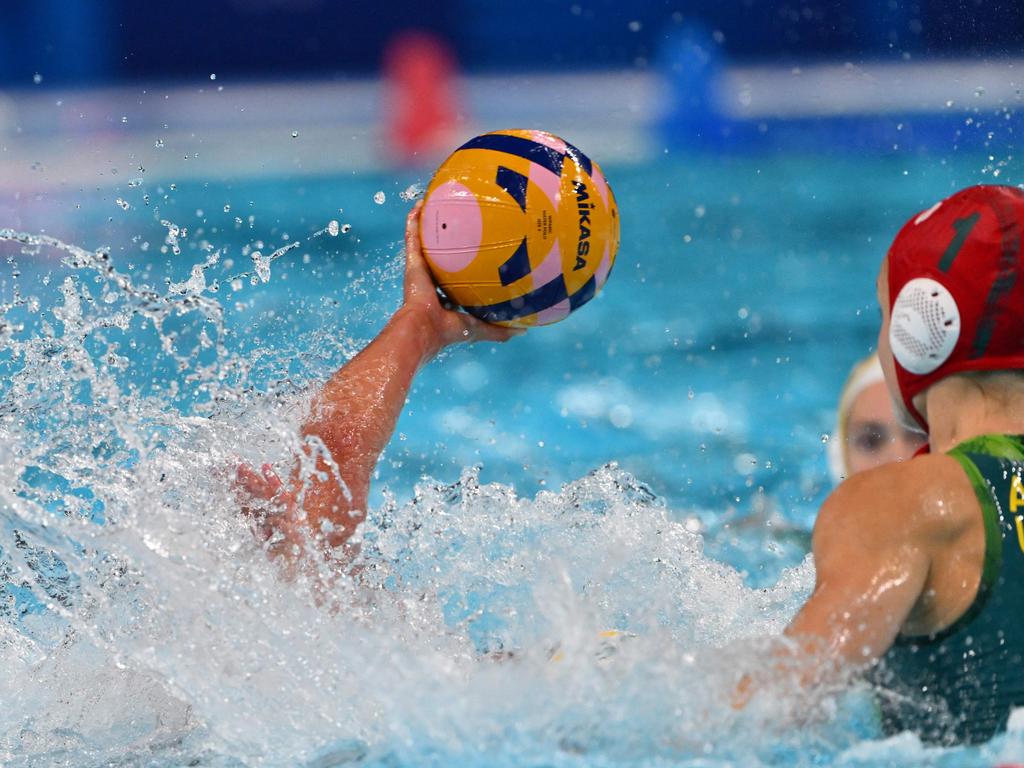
{"x":874,"y":436}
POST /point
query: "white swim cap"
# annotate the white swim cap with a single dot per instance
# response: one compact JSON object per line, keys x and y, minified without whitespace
{"x":865,"y":373}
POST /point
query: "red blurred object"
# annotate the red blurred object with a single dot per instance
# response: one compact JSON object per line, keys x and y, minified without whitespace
{"x":423,"y":106}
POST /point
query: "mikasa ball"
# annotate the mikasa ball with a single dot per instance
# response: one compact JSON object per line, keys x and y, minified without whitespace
{"x":519,"y":228}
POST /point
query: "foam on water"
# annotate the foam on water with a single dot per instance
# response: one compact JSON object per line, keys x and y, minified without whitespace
{"x":142,"y":623}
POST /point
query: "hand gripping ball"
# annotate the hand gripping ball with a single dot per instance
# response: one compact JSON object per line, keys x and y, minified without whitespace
{"x":519,"y":228}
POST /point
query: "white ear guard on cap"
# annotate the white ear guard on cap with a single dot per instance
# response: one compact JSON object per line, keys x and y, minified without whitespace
{"x":925,"y":325}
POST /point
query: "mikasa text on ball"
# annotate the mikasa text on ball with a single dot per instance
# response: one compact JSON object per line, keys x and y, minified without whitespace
{"x":519,"y":228}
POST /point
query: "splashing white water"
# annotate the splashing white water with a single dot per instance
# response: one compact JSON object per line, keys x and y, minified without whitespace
{"x":143,"y":624}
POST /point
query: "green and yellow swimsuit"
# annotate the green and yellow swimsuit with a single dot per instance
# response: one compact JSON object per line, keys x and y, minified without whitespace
{"x":960,"y":685}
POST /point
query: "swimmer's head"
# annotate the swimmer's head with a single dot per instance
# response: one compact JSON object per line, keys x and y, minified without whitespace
{"x":868,"y":432}
{"x":951,"y":294}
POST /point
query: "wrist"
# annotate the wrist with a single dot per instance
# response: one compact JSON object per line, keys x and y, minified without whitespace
{"x":417,"y":324}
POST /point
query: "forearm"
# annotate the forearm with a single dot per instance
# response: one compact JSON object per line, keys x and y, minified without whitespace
{"x":355,"y":414}
{"x":842,"y":629}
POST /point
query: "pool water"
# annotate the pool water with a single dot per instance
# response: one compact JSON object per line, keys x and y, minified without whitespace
{"x":651,"y":465}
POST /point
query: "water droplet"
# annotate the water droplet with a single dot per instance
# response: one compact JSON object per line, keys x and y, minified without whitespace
{"x":412,"y":192}
{"x":295,"y":134}
{"x":825,"y":437}
{"x":332,"y":227}
{"x":345,"y":228}
{"x":159,"y":143}
{"x":379,"y":197}
{"x":227,"y":209}
{"x":123,"y":204}
{"x":744,"y":463}
{"x":37,"y":78}
{"x":261,"y":264}
{"x":621,"y":416}
{"x":213,"y":76}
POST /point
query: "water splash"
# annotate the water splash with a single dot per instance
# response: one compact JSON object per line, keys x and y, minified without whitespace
{"x":412,"y":192}
{"x":261,"y":263}
{"x":141,"y":623}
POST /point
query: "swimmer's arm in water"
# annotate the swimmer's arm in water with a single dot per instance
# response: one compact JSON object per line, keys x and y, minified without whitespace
{"x":873,"y":551}
{"x":872,"y":556}
{"x":355,"y":413}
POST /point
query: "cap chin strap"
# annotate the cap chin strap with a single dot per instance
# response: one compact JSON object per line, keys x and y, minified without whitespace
{"x":906,"y":419}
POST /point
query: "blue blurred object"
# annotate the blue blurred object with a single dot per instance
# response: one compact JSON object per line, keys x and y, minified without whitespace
{"x":57,"y":41}
{"x":691,"y":63}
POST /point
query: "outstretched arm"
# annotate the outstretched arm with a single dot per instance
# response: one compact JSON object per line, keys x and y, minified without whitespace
{"x":871,"y":568}
{"x":355,"y":413}
{"x":872,"y":555}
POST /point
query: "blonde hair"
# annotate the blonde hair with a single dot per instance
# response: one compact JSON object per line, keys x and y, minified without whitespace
{"x":864,"y":373}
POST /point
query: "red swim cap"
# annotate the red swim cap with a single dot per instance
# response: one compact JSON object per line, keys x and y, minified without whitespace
{"x":956,"y":297}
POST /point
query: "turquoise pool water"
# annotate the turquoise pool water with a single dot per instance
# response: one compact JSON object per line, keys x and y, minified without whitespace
{"x":652,"y":465}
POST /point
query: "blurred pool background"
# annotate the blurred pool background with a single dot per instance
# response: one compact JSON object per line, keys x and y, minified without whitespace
{"x":763,"y":156}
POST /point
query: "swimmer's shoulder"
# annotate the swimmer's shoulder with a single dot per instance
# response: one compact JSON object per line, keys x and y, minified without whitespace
{"x":927,"y":499}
